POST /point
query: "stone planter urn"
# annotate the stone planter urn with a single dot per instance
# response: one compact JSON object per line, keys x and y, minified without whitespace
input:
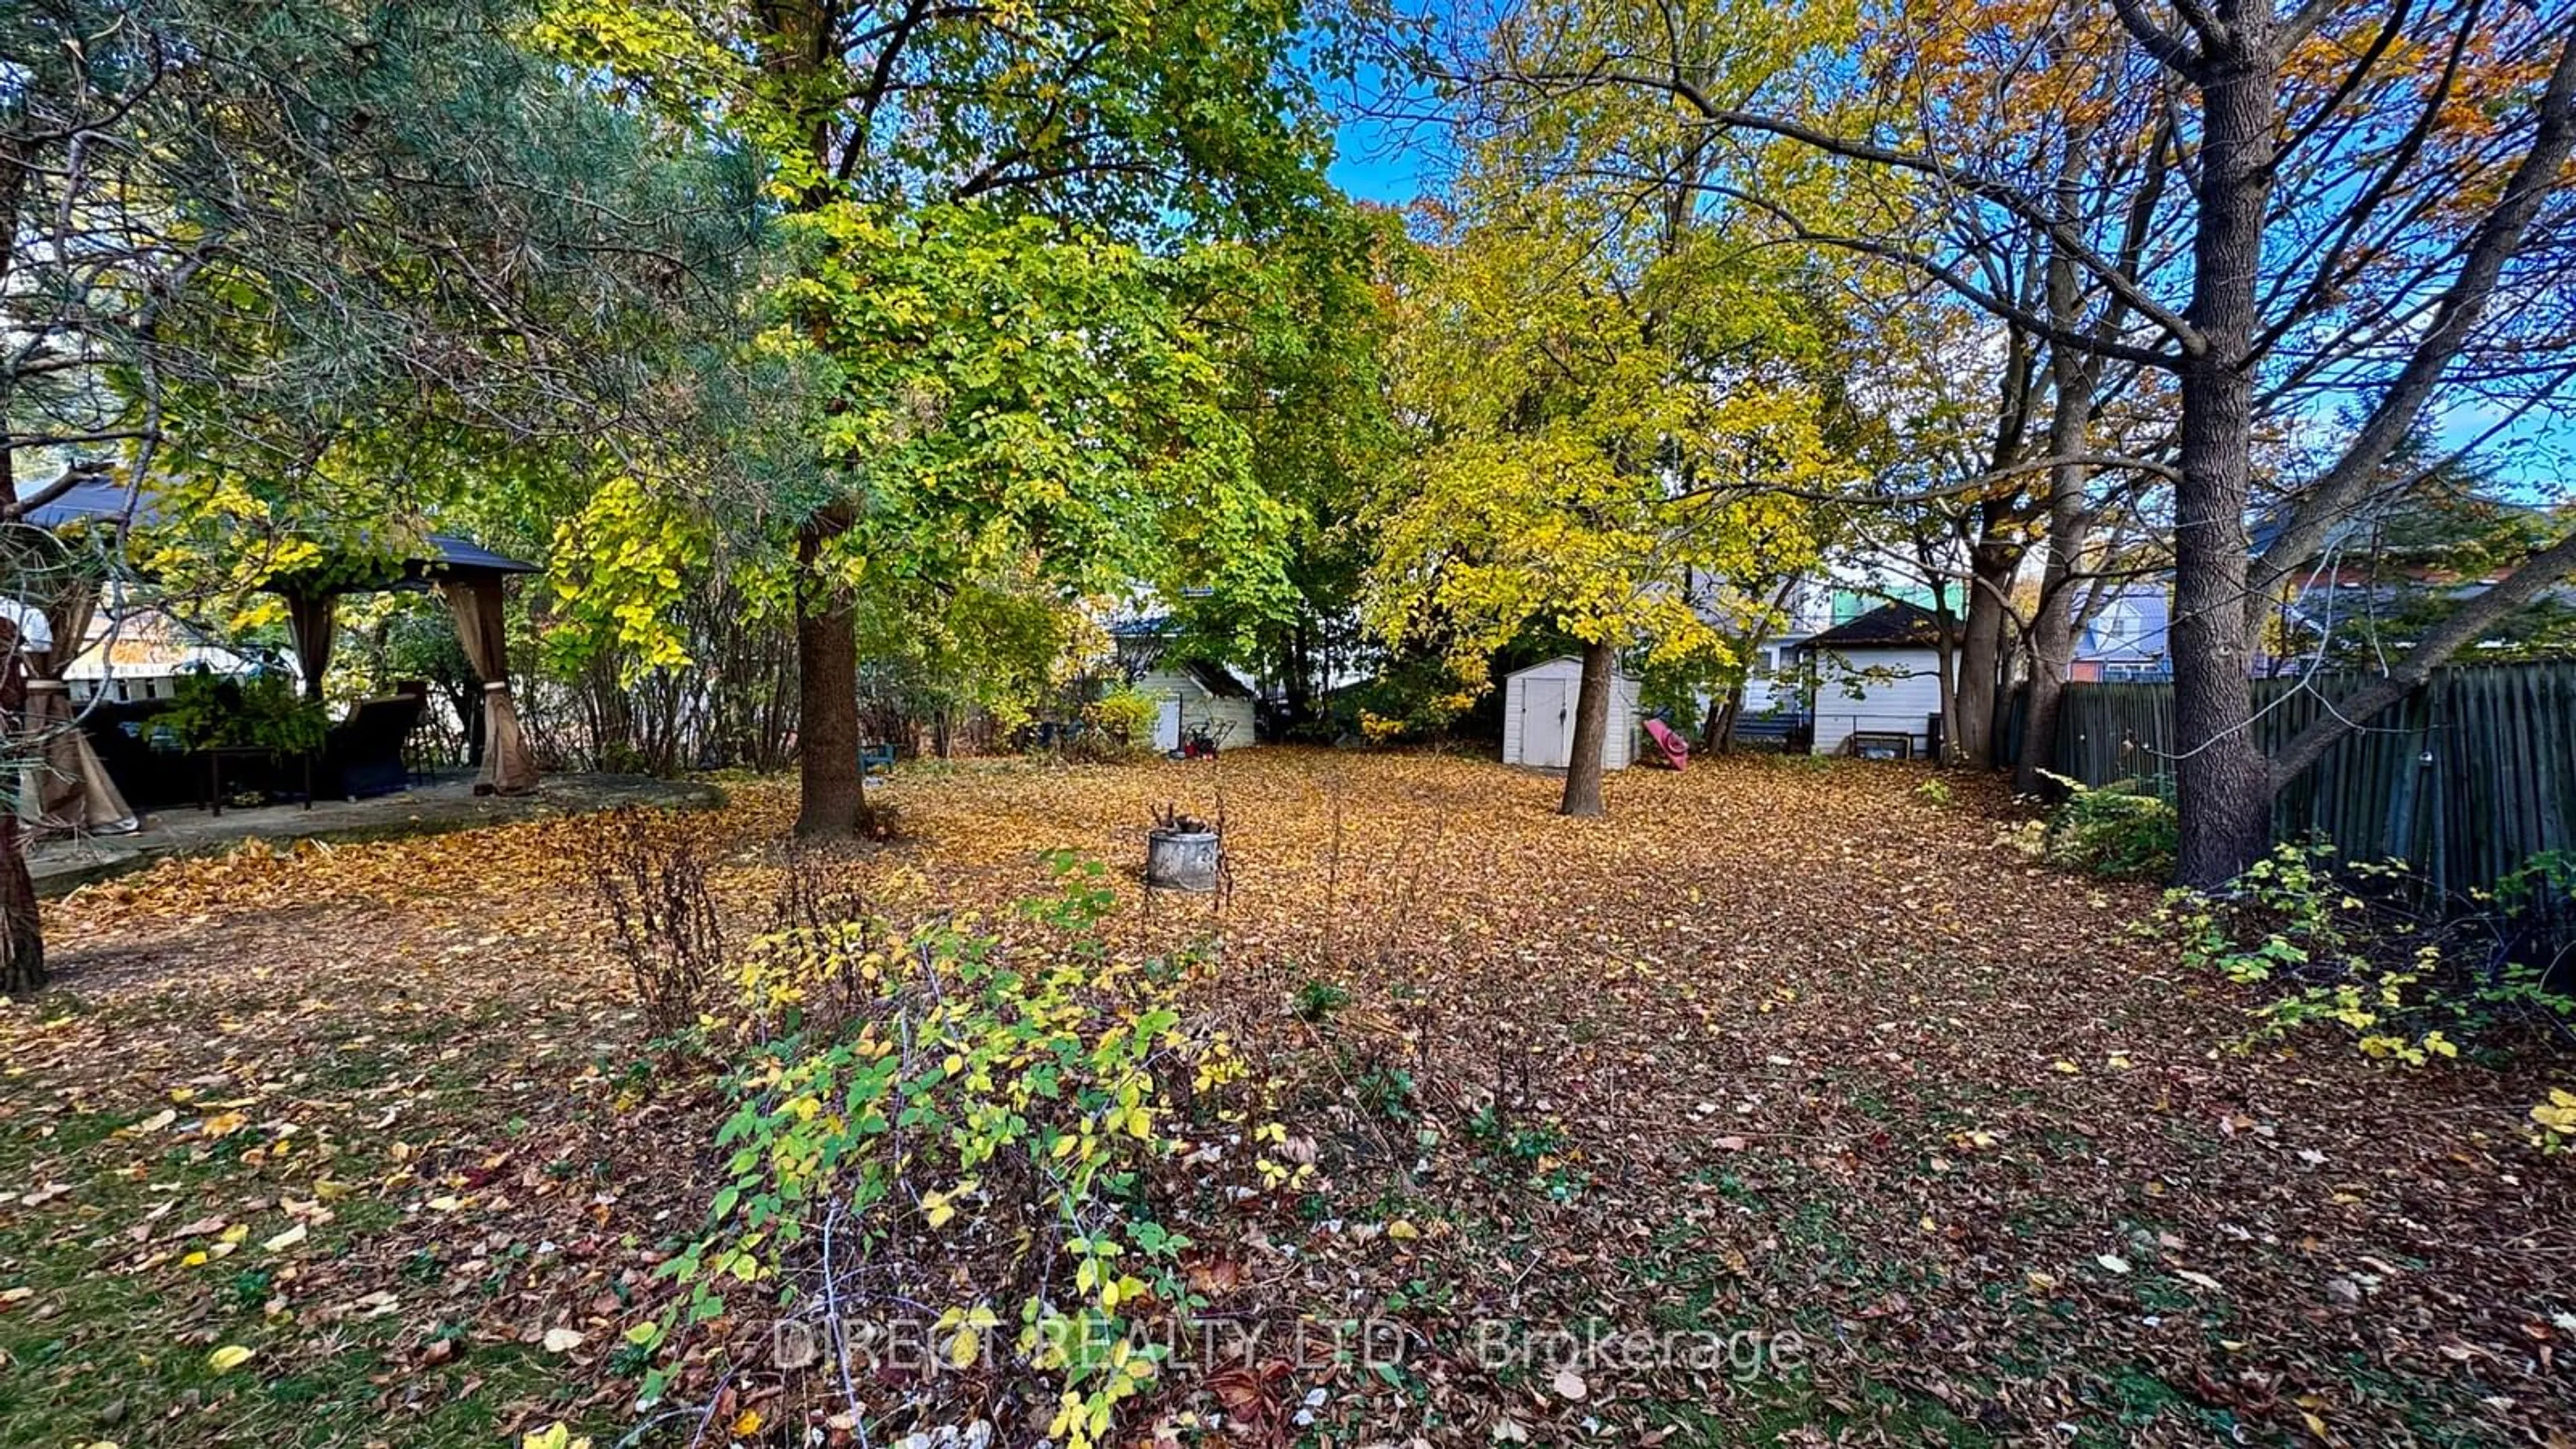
{"x":1181,"y":860}
{"x":1183,"y":854}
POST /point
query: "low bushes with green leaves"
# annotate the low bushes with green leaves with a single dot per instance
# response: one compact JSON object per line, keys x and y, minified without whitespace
{"x":983,"y":1122}
{"x":1119,"y":725}
{"x":255,"y":711}
{"x":2121,"y":830}
{"x":2364,"y":947}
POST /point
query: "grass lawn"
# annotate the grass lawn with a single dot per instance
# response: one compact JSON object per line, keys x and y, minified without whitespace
{"x":1782,"y":1055}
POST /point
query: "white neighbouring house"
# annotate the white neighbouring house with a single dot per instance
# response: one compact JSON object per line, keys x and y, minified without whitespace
{"x":1538,"y":716}
{"x":1198,"y":696}
{"x":1878,"y":674}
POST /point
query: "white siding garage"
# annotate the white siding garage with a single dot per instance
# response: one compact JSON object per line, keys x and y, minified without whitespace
{"x":1198,"y":696}
{"x":1538,"y":716}
{"x":1878,"y":674}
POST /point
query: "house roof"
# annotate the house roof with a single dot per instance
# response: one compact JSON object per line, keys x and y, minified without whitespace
{"x":1889,"y":626}
{"x":1564,"y":660}
{"x":1217,"y":680}
{"x":2131,"y":625}
{"x":1141,"y":626}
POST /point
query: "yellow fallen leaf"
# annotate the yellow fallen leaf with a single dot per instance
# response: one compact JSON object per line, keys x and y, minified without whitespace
{"x":285,"y":1240}
{"x":227,"y":1358}
{"x":961,"y":1349}
{"x":445,"y":1204}
{"x":1402,"y":1228}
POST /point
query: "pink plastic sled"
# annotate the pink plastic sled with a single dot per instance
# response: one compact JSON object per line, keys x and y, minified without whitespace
{"x":1676,"y":750}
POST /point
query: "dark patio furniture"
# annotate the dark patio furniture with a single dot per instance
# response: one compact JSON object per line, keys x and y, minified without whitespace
{"x":148,"y":765}
{"x":241,"y":769}
{"x":364,"y":755}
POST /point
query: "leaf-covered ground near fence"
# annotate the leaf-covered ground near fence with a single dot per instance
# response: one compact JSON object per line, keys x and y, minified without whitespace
{"x":358,"y":1146}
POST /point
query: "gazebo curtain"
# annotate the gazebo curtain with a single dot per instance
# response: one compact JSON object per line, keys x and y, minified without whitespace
{"x":508,"y":768}
{"x":70,"y":791}
{"x":312,"y":619}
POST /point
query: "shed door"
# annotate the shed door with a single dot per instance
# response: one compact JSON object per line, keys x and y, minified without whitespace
{"x":1547,"y":723}
{"x":1167,"y":725}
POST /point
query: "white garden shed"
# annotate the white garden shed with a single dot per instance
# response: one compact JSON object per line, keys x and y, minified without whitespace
{"x":1538,"y":715}
{"x":1880,"y":674}
{"x":1199,"y":696}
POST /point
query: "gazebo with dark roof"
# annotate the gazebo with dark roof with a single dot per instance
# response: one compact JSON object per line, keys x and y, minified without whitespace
{"x":468,"y":576}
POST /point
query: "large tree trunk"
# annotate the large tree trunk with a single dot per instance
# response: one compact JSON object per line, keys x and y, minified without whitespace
{"x":1298,"y":678}
{"x":2070,"y":521}
{"x":2223,"y":785}
{"x":832,"y":798}
{"x":22,"y":928}
{"x":2052,"y":652}
{"x":1991,"y":565}
{"x":22,"y":931}
{"x":1591,"y":732}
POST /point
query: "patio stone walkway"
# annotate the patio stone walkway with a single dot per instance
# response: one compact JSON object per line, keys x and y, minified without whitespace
{"x":446,"y":803}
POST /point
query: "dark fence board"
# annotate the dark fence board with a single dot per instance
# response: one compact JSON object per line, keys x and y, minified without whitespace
{"x":2472,"y":775}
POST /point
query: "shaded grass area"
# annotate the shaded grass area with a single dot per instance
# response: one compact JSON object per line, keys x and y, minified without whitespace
{"x":100,"y":1349}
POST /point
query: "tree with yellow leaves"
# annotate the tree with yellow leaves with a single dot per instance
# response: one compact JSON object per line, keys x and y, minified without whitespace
{"x":1619,"y":428}
{"x":2322,"y":226}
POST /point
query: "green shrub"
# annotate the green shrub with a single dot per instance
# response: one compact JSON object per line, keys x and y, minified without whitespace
{"x":920,"y":1104}
{"x":1121,"y":724}
{"x":2359,"y":947}
{"x":259,"y":711}
{"x":1319,"y":999}
{"x":2110,"y":831}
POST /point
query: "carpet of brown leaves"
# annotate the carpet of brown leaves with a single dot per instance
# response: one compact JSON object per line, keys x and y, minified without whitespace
{"x":1776,"y":1049}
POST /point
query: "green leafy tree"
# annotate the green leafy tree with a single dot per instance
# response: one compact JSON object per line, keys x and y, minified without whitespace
{"x":312,"y":271}
{"x":2419,"y":557}
{"x":986,"y":219}
{"x":1304,"y":351}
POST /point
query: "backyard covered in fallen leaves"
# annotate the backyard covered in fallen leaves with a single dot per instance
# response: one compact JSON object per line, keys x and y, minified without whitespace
{"x":365,"y":1144}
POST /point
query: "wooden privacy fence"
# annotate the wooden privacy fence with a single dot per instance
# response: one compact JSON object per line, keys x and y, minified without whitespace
{"x":2472,"y":775}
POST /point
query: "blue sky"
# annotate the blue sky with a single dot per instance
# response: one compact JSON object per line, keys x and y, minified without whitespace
{"x":1372,"y":165}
